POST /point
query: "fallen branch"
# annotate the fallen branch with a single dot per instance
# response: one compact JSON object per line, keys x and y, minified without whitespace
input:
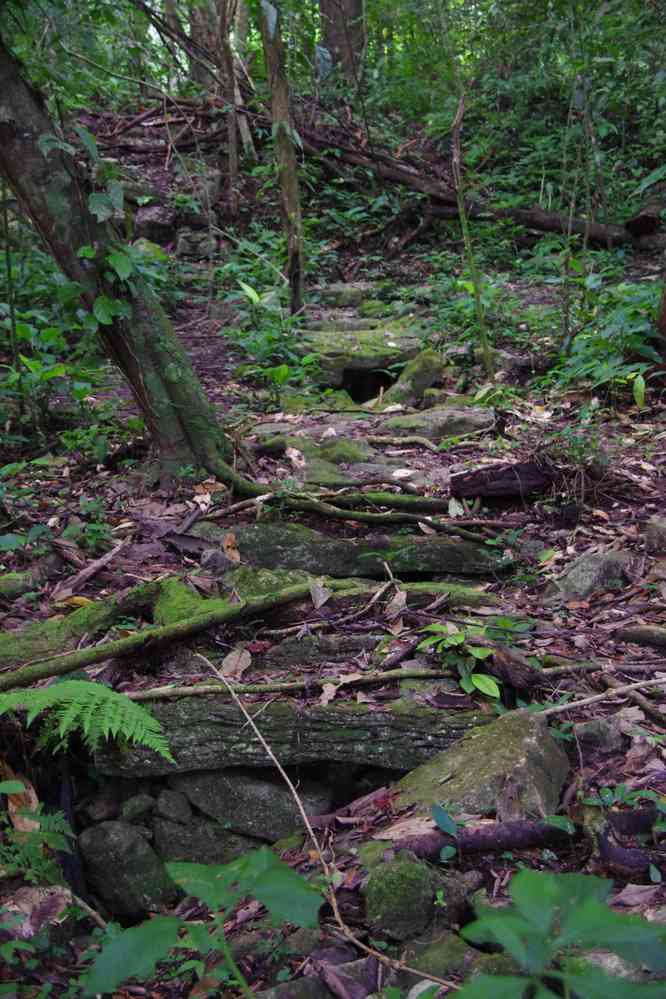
{"x":149,"y":638}
{"x":626,"y":688}
{"x":522,"y":834}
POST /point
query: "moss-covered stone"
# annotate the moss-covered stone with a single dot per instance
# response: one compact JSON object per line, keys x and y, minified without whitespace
{"x":372,"y":853}
{"x":440,"y":422}
{"x":416,"y":377}
{"x":345,"y":294}
{"x":248,"y":582}
{"x":15,"y":584}
{"x":61,"y":633}
{"x":442,"y":953}
{"x":372,"y":308}
{"x":514,"y":754}
{"x":361,"y":350}
{"x":177,"y":601}
{"x":342,"y":452}
{"x":293,"y":546}
{"x":399,"y":897}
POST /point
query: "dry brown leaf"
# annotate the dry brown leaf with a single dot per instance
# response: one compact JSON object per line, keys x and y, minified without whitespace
{"x":396,"y":627}
{"x":25,"y":801}
{"x":414,"y":825}
{"x":319,"y":593}
{"x":230,"y":547}
{"x":328,"y":692}
{"x":350,"y":678}
{"x":235,"y":663}
{"x":295,"y":456}
{"x":396,"y":605}
{"x":426,"y":528}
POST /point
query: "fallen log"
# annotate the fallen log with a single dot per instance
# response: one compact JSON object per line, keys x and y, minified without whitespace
{"x":517,"y":479}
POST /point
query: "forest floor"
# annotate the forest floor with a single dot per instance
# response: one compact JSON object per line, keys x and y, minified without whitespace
{"x":610,"y":482}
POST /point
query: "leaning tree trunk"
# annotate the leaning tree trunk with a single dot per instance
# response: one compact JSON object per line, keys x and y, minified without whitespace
{"x":53,"y":194}
{"x":285,"y":152}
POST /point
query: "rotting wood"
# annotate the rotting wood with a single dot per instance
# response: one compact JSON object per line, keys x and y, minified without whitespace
{"x":516,"y":479}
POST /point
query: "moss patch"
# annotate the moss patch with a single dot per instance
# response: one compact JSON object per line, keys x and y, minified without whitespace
{"x":399,"y":897}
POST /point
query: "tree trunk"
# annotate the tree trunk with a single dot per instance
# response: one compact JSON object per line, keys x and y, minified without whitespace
{"x":203,"y":32}
{"x":287,"y":163}
{"x":343,"y":34}
{"x":54,"y":195}
{"x":227,"y":15}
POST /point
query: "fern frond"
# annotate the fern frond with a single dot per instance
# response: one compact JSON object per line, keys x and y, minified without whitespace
{"x":92,"y":709}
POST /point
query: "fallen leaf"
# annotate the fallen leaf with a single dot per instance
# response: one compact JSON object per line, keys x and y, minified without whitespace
{"x":295,"y":456}
{"x":319,"y":593}
{"x":397,"y":627}
{"x":402,"y":473}
{"x":235,"y":663}
{"x":396,"y":605}
{"x":328,"y":692}
{"x":230,"y":547}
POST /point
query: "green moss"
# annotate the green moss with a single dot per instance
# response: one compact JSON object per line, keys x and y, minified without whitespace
{"x":445,"y":955}
{"x":372,"y":853}
{"x":400,"y":897}
{"x":175,"y":602}
{"x":345,"y":451}
{"x":372,"y":307}
{"x":248,"y":582}
{"x":417,"y":376}
{"x":14,"y":584}
{"x":292,"y":842}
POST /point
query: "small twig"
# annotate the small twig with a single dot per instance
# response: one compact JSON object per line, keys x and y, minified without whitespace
{"x":325,"y":866}
{"x":640,"y":699}
{"x":626,"y":688}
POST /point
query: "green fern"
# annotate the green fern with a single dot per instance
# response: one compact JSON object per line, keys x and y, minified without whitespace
{"x":92,"y":709}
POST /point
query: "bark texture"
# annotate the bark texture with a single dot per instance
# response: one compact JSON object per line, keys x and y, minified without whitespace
{"x":287,"y":163}
{"x":343,"y":34}
{"x":54,"y":194}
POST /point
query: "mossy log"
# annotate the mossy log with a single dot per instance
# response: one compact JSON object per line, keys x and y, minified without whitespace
{"x":208,"y":733}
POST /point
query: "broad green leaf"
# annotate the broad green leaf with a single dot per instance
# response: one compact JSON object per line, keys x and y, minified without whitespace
{"x":211,"y":883}
{"x":116,"y":194}
{"x":10,"y":542}
{"x":638,"y":389}
{"x":88,"y":141}
{"x":494,"y":987}
{"x":103,"y":310}
{"x":132,"y":954}
{"x":560,"y":822}
{"x":249,"y":292}
{"x":121,"y":264}
{"x":479,"y":652}
{"x":101,"y":206}
{"x":444,"y":821}
{"x":86,"y":252}
{"x":486,"y":684}
{"x":285,"y":893}
{"x":594,"y":984}
{"x":11,"y":787}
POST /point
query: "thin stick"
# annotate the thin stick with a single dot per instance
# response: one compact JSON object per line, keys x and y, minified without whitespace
{"x":626,"y":688}
{"x":328,"y":871}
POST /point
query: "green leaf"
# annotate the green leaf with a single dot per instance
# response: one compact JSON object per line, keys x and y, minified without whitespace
{"x":486,"y":684}
{"x":652,"y":178}
{"x":211,"y":883}
{"x":103,"y":310}
{"x":101,"y":206}
{"x":249,"y":292}
{"x":594,"y":984}
{"x":121,"y":264}
{"x":88,"y":141}
{"x":116,"y":194}
{"x":495,"y":986}
{"x":560,"y":822}
{"x":132,"y":954}
{"x":10,"y":542}
{"x":11,"y":787}
{"x":285,"y":893}
{"x":638,"y":390}
{"x":479,"y":652}
{"x":86,"y":252}
{"x":444,"y":821}
{"x":447,"y":853}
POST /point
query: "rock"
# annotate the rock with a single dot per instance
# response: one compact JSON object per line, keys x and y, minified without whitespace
{"x":124,"y":870}
{"x":591,"y":573}
{"x":156,"y":223}
{"x":400,"y":897}
{"x":294,"y":546}
{"x":315,"y":649}
{"x":417,"y":376}
{"x":311,"y":987}
{"x":251,"y":802}
{"x":209,"y":733}
{"x":515,"y":754}
{"x":601,"y":733}
{"x":137,"y":807}
{"x":655,"y":535}
{"x":372,"y":308}
{"x":174,"y":806}
{"x":200,"y":841}
{"x":344,"y":351}
{"x":439,"y":422}
{"x":344,"y":295}
{"x":441,"y":953}
{"x":197,"y":245}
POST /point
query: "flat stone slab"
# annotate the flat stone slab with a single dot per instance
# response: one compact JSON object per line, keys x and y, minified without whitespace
{"x":345,"y":350}
{"x":440,"y":422}
{"x":209,"y":733}
{"x":512,"y":768}
{"x":280,"y":545}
